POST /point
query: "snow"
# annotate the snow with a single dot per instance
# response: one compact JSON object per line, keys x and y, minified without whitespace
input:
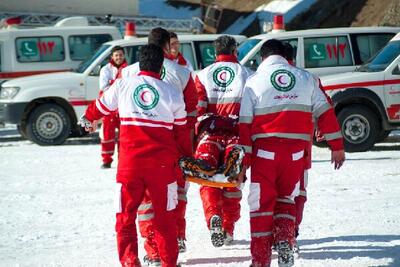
{"x":289,"y":8}
{"x":57,"y":210}
{"x":265,"y":13}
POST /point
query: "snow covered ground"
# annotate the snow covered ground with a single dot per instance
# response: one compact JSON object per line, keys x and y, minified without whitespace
{"x":56,"y":209}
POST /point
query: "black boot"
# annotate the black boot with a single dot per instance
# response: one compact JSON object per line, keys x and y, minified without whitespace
{"x":217,"y":235}
{"x":285,"y":254}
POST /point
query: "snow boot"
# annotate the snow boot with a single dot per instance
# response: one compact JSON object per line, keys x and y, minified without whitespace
{"x":233,"y":163}
{"x":106,"y":165}
{"x":285,"y":254}
{"x":181,"y":245}
{"x":217,"y":235}
{"x":196,"y":168}
{"x":151,"y":262}
{"x":199,"y":171}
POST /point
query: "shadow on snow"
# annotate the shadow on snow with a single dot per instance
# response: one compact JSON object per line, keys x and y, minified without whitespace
{"x":347,"y":252}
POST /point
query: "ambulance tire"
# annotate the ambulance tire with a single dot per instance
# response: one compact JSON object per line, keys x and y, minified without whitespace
{"x":360,"y":128}
{"x":48,"y":124}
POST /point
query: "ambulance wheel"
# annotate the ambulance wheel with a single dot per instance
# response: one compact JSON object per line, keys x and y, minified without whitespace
{"x":360,"y":128}
{"x":48,"y":124}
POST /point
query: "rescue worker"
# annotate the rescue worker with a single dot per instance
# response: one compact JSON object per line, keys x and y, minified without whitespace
{"x":153,"y":136}
{"x":108,"y":74}
{"x":275,"y":123}
{"x":176,"y":54}
{"x":180,"y":78}
{"x":220,"y":88}
{"x":301,"y":199}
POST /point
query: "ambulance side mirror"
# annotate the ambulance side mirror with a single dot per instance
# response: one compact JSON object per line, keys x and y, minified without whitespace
{"x":396,"y":70}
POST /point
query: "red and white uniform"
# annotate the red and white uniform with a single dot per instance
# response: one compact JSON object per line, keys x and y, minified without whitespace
{"x":301,"y":199}
{"x":153,"y":135}
{"x":275,"y":125}
{"x":220,"y":89}
{"x":177,"y":76}
{"x":180,"y":78}
{"x":183,"y":62}
{"x":108,"y":74}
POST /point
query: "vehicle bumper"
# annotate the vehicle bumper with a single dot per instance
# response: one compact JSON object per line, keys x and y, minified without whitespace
{"x":12,"y":112}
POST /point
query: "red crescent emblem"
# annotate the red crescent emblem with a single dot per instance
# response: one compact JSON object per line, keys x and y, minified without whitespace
{"x":222,"y":75}
{"x":143,"y":96}
{"x":279,"y":79}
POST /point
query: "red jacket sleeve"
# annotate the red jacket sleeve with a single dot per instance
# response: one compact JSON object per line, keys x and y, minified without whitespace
{"x":96,"y":110}
{"x":183,"y":139}
{"x":245,"y":124}
{"x":104,"y":105}
{"x":245,"y":142}
{"x":202,"y":97}
{"x":327,"y":121}
{"x":329,"y":127}
{"x":190,"y":98}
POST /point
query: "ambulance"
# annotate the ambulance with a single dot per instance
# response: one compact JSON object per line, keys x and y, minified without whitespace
{"x":323,"y":51}
{"x":46,"y":107}
{"x":367,"y":101}
{"x":29,"y":51}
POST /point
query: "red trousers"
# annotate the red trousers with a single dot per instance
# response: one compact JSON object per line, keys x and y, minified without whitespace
{"x":276,"y":167}
{"x":146,"y":218}
{"x":300,"y":200}
{"x":108,"y":136}
{"x":163,"y":194}
{"x":224,"y":202}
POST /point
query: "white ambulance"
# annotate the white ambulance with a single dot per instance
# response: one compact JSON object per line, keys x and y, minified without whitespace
{"x":367,"y":101}
{"x":46,"y":107}
{"x":62,"y":47}
{"x":323,"y":51}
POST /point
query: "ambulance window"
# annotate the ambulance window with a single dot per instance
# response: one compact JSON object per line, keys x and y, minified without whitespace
{"x":132,"y":54}
{"x":40,"y":49}
{"x":294,"y":44}
{"x":322,"y":52}
{"x":187,"y":52}
{"x":205,"y":54}
{"x":82,"y":47}
{"x":255,"y":61}
{"x":367,"y":45}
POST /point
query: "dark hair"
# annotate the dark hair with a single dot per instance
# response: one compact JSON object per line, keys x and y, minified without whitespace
{"x":117,"y":48}
{"x":272,"y":47}
{"x":289,"y":53}
{"x":225,"y":45}
{"x":159,"y":36}
{"x":151,"y":58}
{"x":173,"y":35}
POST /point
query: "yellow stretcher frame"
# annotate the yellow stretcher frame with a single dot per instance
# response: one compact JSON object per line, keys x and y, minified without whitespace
{"x":205,"y":182}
